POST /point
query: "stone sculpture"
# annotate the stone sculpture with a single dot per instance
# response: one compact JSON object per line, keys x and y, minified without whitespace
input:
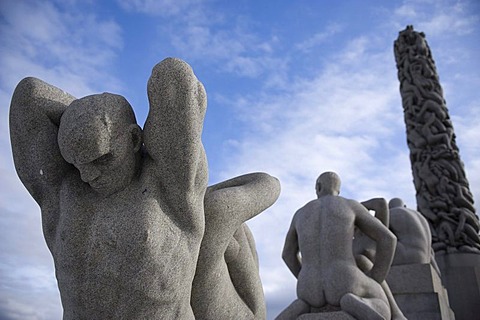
{"x":443,"y":194}
{"x":126,"y":213}
{"x":318,"y":251}
{"x":413,"y":235}
{"x":227,"y":283}
{"x":122,"y":209}
{"x":364,"y":250}
{"x":442,"y":189}
{"x":414,"y":278}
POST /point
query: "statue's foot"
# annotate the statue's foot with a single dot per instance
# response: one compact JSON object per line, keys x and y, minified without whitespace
{"x":365,"y":308}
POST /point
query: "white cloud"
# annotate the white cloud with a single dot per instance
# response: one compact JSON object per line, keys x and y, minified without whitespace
{"x":158,"y":7}
{"x":406,"y":11}
{"x":233,"y":49}
{"x":39,"y":38}
{"x":467,"y":130}
{"x":32,"y":306}
{"x":319,"y":37}
{"x":443,"y":18}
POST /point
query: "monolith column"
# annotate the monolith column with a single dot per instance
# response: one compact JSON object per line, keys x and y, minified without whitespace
{"x":442,"y":189}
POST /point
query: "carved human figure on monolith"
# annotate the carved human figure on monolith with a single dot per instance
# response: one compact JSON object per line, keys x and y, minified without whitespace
{"x":122,"y":209}
{"x":328,"y":277}
{"x":227,"y":282}
{"x":414,"y":240}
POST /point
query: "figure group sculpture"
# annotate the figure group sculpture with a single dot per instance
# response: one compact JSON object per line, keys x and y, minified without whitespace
{"x":328,"y":276}
{"x":341,"y":254}
{"x":132,"y":228}
{"x":135,"y":233}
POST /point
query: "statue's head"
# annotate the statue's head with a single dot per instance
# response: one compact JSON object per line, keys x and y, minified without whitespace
{"x":328,"y":183}
{"x":396,"y":203}
{"x":99,"y":135}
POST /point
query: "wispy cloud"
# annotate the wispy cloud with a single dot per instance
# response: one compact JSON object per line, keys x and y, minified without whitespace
{"x":39,"y":38}
{"x":159,"y":7}
{"x":319,"y":37}
{"x":233,"y":49}
{"x":223,"y":41}
{"x":444,"y":18}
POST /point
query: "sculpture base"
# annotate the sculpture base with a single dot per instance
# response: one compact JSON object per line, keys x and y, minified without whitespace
{"x":461,"y":276}
{"x":419,"y":292}
{"x":336,"y":315}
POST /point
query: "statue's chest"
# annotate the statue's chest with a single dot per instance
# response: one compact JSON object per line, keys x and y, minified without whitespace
{"x":111,"y":235}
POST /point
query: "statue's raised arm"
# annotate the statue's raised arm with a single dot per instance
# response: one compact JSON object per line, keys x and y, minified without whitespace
{"x":172,"y":132}
{"x":384,"y":239}
{"x":35,"y":113}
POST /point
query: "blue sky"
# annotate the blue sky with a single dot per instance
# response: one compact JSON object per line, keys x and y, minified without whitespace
{"x":295,"y":88}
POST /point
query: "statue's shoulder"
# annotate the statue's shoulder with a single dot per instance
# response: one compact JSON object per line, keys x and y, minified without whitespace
{"x":353,"y":203}
{"x":311,"y":205}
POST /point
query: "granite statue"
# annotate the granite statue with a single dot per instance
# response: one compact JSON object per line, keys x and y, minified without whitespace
{"x":442,"y":189}
{"x":318,"y":251}
{"x":364,"y":250}
{"x":414,"y":240}
{"x":122,"y":208}
{"x":227,"y":282}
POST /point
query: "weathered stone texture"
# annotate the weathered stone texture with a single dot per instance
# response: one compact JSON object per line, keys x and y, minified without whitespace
{"x":442,"y":189}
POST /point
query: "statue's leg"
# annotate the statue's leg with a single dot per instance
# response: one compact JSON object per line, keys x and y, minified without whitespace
{"x":365,"y":308}
{"x":295,"y":309}
{"x":366,"y":265}
{"x":397,"y":314}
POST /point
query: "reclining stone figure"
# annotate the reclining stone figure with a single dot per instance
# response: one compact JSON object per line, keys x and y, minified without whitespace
{"x":227,"y":282}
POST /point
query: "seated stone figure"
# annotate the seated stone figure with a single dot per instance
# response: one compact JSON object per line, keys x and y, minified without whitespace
{"x":227,"y":283}
{"x":122,"y":210}
{"x":328,"y":277}
{"x":364,"y":250}
{"x":413,"y":233}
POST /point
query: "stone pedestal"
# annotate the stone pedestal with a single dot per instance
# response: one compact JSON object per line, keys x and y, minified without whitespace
{"x":336,"y":315}
{"x":419,"y":292}
{"x":461,"y":277}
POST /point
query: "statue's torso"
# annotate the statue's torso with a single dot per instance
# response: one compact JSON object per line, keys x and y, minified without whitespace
{"x":325,"y":233}
{"x":121,"y":256}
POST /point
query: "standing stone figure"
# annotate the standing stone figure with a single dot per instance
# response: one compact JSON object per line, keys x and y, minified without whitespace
{"x":122,"y":209}
{"x":227,"y":282}
{"x":322,"y":233}
{"x":442,"y":189}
